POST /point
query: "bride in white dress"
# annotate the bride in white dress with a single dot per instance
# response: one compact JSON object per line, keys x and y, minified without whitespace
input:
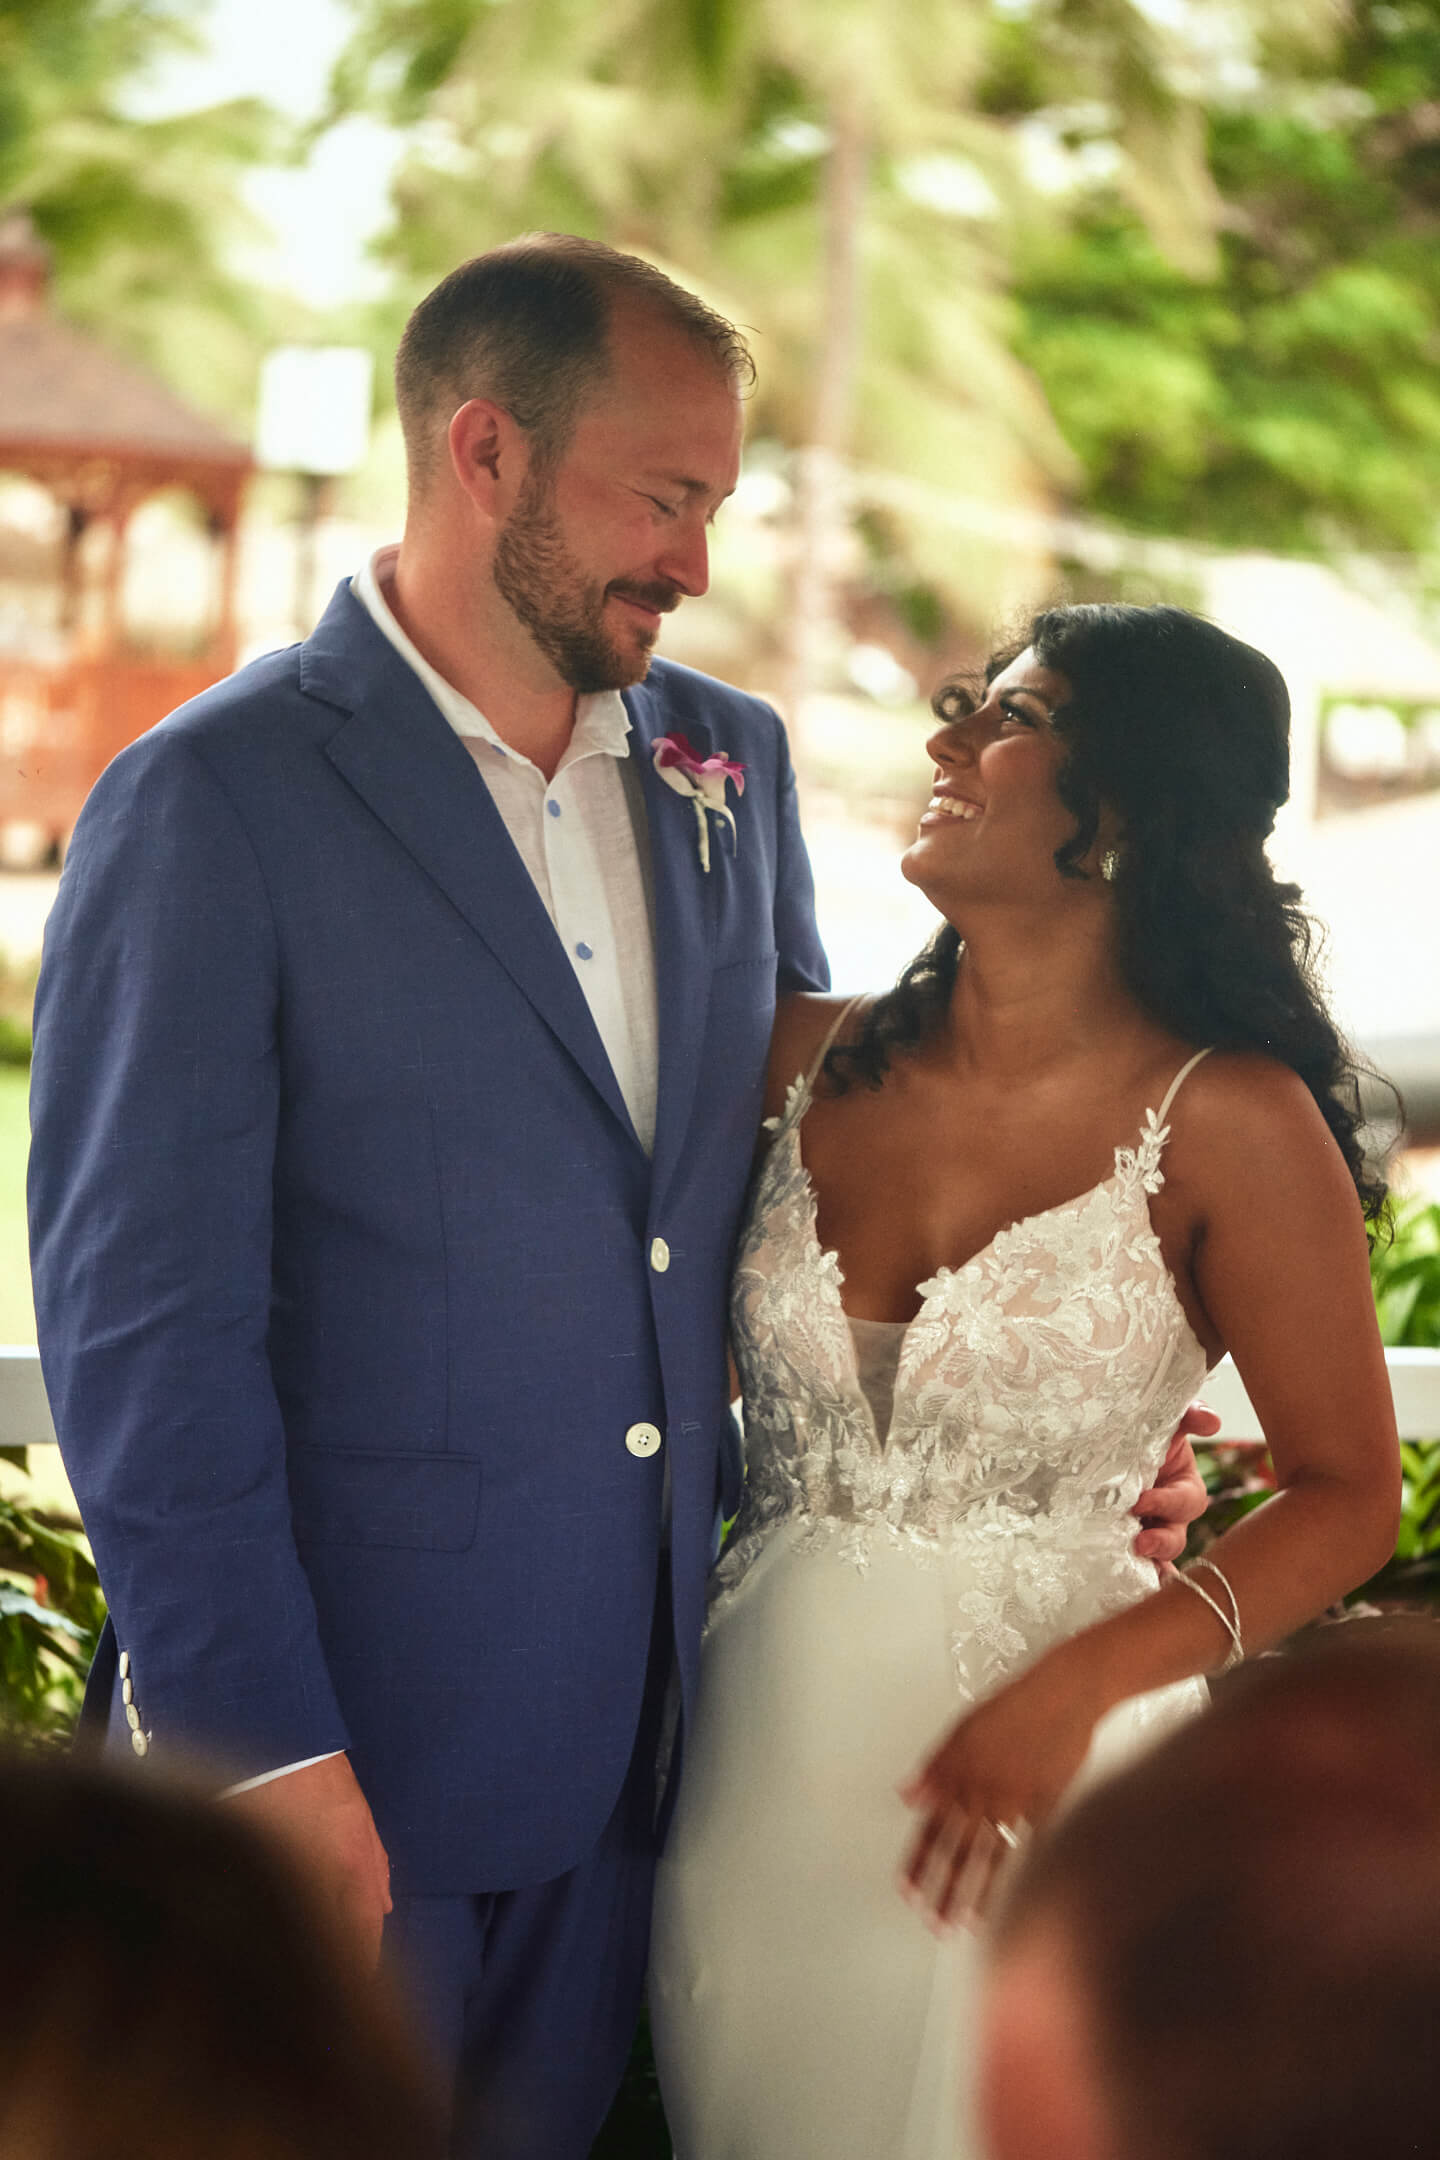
{"x":1001,"y":1227}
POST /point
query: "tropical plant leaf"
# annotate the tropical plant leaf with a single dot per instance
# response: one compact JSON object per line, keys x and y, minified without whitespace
{"x":18,"y":1604}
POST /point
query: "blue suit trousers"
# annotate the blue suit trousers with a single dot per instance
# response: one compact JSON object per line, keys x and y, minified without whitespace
{"x":528,"y":1999}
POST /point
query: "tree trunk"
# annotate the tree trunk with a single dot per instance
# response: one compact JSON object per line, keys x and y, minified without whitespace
{"x":820,"y":508}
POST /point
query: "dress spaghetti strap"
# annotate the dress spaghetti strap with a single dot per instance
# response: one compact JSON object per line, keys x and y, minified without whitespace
{"x":831,"y":1037}
{"x":1178,"y":1082}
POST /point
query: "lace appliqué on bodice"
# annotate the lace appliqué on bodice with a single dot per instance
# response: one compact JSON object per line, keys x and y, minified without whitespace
{"x":1037,"y":1390}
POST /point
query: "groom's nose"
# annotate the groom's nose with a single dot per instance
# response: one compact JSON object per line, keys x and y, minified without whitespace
{"x":685,"y":558}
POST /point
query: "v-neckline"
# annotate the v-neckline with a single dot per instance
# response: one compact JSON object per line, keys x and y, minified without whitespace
{"x":834,"y":1275}
{"x":944,"y":1270}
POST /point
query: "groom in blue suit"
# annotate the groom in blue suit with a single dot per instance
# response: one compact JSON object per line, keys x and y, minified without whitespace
{"x":399,"y":1051}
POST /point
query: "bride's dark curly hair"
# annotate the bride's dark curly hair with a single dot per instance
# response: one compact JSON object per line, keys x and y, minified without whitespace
{"x":1183,"y":733}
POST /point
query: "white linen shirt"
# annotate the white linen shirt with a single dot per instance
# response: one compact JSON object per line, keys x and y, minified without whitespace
{"x":586,"y":845}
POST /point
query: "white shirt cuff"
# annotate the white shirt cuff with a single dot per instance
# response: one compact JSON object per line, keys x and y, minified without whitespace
{"x":288,"y":1769}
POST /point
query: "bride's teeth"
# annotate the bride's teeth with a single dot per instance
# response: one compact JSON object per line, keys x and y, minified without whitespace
{"x":949,"y":807}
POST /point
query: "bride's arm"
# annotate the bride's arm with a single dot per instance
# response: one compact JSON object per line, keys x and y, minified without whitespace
{"x":1281,"y":1266}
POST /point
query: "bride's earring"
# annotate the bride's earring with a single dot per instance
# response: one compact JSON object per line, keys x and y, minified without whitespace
{"x":1110,"y":865}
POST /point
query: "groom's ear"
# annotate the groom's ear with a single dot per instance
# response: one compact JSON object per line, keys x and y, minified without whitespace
{"x":490,"y":456}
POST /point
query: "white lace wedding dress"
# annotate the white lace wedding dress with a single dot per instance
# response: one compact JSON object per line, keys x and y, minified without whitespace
{"x":894,"y":1560}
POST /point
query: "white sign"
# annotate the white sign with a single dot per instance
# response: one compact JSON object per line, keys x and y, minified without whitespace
{"x":314,"y":412}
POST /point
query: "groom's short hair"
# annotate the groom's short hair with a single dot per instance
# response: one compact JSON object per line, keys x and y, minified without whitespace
{"x":527,"y":325}
{"x":1246,"y":1922}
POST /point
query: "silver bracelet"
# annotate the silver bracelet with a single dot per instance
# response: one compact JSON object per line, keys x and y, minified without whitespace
{"x":1229,"y":1621}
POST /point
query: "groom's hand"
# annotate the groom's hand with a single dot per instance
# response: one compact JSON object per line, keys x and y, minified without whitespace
{"x":1178,"y":1496}
{"x":324,"y":1819}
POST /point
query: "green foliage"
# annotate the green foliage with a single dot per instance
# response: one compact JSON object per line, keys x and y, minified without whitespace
{"x":1417,"y":1547}
{"x":706,"y":136}
{"x":1232,"y":310}
{"x":17,"y":1002}
{"x":51,"y":1613}
{"x":1285,"y":397}
{"x":1405,"y":1276}
{"x":635,"y":2128}
{"x":138,"y":213}
{"x":1238,"y":1478}
{"x":51,"y":1608}
{"x":1405,"y":1272}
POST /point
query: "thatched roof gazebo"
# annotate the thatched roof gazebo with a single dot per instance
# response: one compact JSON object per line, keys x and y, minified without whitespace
{"x":99,"y":435}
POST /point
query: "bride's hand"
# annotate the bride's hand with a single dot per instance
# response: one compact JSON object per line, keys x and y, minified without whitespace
{"x":998,"y":1772}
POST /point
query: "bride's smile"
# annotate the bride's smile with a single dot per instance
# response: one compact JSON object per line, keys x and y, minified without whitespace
{"x":995,"y":776}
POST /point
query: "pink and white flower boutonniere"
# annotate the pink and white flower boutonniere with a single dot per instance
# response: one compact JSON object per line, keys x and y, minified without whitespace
{"x":701,"y":780}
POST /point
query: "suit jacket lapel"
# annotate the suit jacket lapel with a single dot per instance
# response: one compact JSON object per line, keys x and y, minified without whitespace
{"x":685,"y":915}
{"x":407,"y":764}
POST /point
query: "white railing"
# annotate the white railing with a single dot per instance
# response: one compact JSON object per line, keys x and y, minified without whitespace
{"x":1414,"y":1382}
{"x":24,"y":1411}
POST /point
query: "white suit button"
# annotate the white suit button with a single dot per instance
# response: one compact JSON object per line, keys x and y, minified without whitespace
{"x":643,"y":1439}
{"x":124,"y":1664}
{"x":140,"y":1742}
{"x":659,"y":1255}
{"x":127,"y":1690}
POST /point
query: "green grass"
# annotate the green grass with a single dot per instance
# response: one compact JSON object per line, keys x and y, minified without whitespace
{"x":17,"y":1314}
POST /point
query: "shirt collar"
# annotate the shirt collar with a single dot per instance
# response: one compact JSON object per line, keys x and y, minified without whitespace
{"x":601,"y":721}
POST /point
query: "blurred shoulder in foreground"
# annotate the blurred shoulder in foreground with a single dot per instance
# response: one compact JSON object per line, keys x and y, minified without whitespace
{"x":167,"y":1991}
{"x":1231,"y":1951}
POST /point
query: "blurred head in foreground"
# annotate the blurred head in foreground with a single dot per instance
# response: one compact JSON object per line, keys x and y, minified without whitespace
{"x":165,"y":1991}
{"x":1232,"y":1951}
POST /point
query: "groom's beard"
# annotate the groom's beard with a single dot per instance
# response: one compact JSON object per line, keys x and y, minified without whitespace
{"x":564,"y":612}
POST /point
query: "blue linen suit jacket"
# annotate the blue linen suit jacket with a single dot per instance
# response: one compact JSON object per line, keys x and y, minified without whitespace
{"x":342,"y":1245}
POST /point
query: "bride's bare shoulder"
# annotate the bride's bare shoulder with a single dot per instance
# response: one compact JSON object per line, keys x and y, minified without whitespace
{"x":1244,"y":1120}
{"x":802,"y":1022}
{"x":1243,"y":1097}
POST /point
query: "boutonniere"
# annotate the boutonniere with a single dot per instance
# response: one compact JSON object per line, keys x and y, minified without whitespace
{"x":701,"y":780}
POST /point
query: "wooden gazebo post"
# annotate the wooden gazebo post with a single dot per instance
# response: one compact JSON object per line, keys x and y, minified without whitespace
{"x":100,"y":435}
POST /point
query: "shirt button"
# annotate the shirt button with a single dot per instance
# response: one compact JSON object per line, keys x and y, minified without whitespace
{"x":124,"y":1663}
{"x":140,"y":1743}
{"x":553,"y":807}
{"x":127,"y":1690}
{"x":583,"y":951}
{"x":659,"y":1255}
{"x":643,"y":1439}
{"x":132,"y":1717}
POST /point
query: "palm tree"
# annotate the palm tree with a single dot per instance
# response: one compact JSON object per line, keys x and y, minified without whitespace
{"x":829,"y":173}
{"x":137,"y":213}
